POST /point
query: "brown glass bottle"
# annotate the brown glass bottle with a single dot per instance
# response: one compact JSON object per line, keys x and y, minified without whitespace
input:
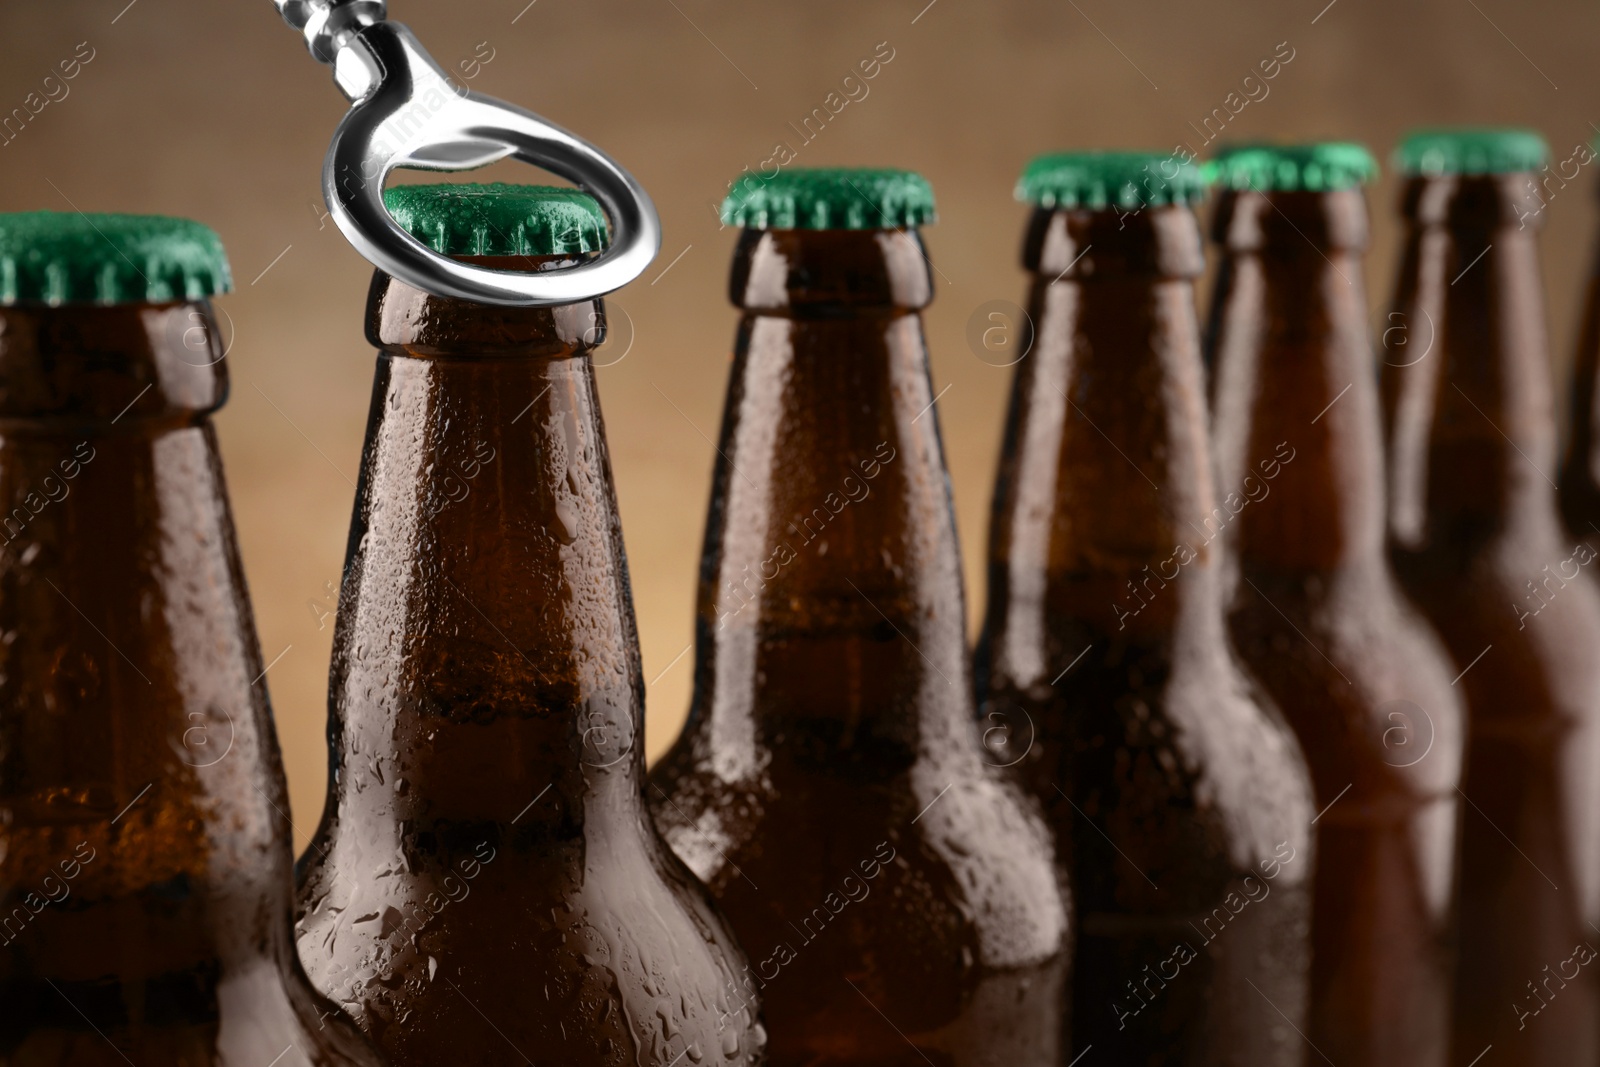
{"x":145,"y":865}
{"x":1177,"y":793}
{"x":1476,"y":539}
{"x":1319,"y":618}
{"x":486,"y":886}
{"x":1580,"y":471}
{"x":896,"y":896}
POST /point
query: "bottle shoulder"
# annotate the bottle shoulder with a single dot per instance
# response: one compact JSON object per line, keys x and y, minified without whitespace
{"x":1521,"y":620}
{"x":1170,"y":740}
{"x":605,"y":915}
{"x":963,"y":843}
{"x":1364,"y":681}
{"x":1359,"y":617}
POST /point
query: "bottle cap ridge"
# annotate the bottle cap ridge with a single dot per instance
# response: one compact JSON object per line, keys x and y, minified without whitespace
{"x":1471,"y":151}
{"x":1323,"y":167}
{"x":1098,"y":180}
{"x":68,"y":257}
{"x":498,"y":219}
{"x":829,"y":198}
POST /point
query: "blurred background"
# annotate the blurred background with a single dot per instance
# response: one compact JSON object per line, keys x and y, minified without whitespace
{"x":213,"y":109}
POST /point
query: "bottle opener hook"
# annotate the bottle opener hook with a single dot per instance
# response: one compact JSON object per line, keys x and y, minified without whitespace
{"x":406,"y":112}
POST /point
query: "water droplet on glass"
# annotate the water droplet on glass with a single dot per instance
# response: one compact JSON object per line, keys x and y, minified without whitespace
{"x":565,"y":527}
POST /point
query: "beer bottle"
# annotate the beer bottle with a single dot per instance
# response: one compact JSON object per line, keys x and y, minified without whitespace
{"x":1476,"y":539}
{"x":1177,"y":793}
{"x":1317,"y":613}
{"x":1580,"y":472}
{"x":145,"y":882}
{"x":486,"y":886}
{"x":897,"y":895}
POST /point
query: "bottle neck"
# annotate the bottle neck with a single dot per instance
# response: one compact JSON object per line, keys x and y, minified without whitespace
{"x":1466,"y":374}
{"x":1104,"y":521}
{"x":830,"y":615}
{"x":485,"y":646}
{"x":137,"y":726}
{"x":1294,"y":378}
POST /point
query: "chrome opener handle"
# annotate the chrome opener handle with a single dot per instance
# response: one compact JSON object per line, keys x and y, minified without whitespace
{"x":405,"y":112}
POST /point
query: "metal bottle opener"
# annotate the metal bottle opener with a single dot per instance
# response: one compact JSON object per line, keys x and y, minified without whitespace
{"x":405,"y":112}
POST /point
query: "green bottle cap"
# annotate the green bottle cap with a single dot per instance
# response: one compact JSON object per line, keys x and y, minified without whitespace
{"x":1471,"y":151}
{"x":1110,"y":179}
{"x":498,"y":219}
{"x":67,"y":257}
{"x":829,"y":198}
{"x":1317,"y":168}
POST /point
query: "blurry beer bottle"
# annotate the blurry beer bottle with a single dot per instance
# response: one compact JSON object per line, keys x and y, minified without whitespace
{"x":486,"y":886}
{"x":1317,"y":613}
{"x":1178,"y":795}
{"x":1477,"y":541}
{"x":897,"y":896}
{"x":145,"y":866}
{"x":1580,"y":473}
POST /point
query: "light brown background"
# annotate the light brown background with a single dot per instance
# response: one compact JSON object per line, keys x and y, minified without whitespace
{"x":213,"y":109}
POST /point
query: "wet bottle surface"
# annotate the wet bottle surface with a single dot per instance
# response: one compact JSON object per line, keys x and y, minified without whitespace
{"x":896,"y":895}
{"x":145,"y":866}
{"x":1316,"y":611}
{"x":486,"y":885}
{"x":1176,"y":792}
{"x":1476,"y":539}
